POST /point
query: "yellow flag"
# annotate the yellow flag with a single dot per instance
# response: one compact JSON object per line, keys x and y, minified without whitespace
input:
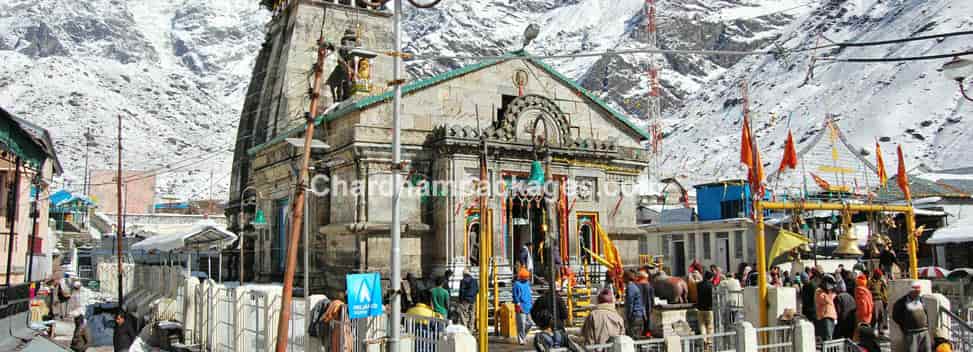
{"x":607,"y":247}
{"x":786,"y":241}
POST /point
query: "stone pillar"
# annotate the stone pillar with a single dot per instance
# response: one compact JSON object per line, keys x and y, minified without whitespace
{"x":804,"y":336}
{"x":624,"y":343}
{"x":779,"y":299}
{"x":673,"y":342}
{"x":457,"y":342}
{"x":746,"y":337}
{"x":898,"y":289}
{"x":939,"y":324}
{"x":751,"y":305}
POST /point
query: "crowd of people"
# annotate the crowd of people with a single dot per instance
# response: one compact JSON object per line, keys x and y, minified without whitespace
{"x":844,"y":304}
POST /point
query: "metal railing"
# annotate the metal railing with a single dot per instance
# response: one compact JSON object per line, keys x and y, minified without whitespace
{"x":425,"y":331}
{"x":354,"y":335}
{"x":297,"y":328}
{"x":839,"y":345}
{"x":775,"y":339}
{"x":960,"y":331}
{"x":254,"y":322}
{"x":729,"y":307}
{"x":223,"y":313}
{"x":650,"y":345}
{"x":718,"y":342}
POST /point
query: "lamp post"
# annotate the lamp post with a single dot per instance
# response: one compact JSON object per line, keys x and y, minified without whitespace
{"x":258,"y":220}
{"x":395,"y":262}
{"x":959,"y":70}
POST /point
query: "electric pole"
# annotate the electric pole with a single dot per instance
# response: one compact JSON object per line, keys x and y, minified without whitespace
{"x":120,"y":227}
{"x":294,"y":233}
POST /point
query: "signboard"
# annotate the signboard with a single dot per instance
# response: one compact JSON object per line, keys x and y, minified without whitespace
{"x":364,"y":295}
{"x":94,"y":285}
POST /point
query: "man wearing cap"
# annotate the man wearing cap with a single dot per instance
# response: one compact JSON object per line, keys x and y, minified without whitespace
{"x":524,"y":301}
{"x":910,"y":313}
{"x":648,"y":300}
{"x":468,"y":288}
{"x":603,"y":322}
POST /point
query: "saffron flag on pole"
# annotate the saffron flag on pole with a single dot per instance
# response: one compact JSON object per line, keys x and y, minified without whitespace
{"x":821,"y":182}
{"x":756,"y":175}
{"x":789,"y":161}
{"x":746,"y":145}
{"x":902,"y":178}
{"x":786,"y":241}
{"x":883,"y":178}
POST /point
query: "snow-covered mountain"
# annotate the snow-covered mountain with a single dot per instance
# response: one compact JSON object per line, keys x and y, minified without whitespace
{"x":176,"y":71}
{"x":908,"y":103}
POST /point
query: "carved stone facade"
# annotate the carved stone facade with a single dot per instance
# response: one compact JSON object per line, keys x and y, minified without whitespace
{"x":443,"y":120}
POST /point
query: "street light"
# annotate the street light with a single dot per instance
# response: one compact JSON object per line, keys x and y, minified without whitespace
{"x":258,"y":221}
{"x":959,"y":70}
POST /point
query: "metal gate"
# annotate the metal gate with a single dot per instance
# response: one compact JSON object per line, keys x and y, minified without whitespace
{"x":254,"y":322}
{"x":728,"y":306}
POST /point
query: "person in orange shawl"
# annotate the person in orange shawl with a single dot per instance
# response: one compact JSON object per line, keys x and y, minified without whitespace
{"x":863,"y":301}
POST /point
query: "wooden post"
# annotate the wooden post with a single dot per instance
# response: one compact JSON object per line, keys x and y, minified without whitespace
{"x":294,"y":233}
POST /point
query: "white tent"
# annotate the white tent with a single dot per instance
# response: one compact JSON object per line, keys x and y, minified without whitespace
{"x":204,"y":235}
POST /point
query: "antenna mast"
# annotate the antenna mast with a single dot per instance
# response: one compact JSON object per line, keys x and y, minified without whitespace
{"x":654,"y":103}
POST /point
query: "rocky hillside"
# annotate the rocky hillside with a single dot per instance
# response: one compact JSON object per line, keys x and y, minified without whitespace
{"x":175,"y":70}
{"x":908,"y":103}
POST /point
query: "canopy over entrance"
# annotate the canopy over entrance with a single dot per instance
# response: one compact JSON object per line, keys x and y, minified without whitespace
{"x":204,"y":235}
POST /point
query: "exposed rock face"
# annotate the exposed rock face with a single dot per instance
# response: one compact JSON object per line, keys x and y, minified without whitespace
{"x":178,"y":70}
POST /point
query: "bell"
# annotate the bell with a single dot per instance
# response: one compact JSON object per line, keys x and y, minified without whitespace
{"x":848,"y":244}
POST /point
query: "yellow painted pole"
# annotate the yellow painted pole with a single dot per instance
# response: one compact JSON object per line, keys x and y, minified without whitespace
{"x":836,"y":207}
{"x":761,"y":262}
{"x":913,"y":237}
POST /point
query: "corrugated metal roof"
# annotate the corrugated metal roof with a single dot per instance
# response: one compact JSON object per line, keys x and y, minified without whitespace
{"x":365,"y":102}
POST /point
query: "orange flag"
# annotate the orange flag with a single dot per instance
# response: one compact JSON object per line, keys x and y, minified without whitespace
{"x":902,"y":178}
{"x":746,"y":144}
{"x":757,"y":172}
{"x":790,"y":155}
{"x":821,"y":182}
{"x":883,"y":178}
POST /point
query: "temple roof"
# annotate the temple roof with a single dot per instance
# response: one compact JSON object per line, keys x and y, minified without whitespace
{"x":365,"y":102}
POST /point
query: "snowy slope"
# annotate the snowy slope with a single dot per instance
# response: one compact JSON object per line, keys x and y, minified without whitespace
{"x":908,"y":103}
{"x":175,"y":70}
{"x":573,"y":26}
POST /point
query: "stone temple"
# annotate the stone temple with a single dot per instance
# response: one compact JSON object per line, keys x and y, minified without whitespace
{"x":526,"y":111}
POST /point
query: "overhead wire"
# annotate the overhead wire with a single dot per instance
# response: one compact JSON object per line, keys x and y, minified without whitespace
{"x":882,"y":42}
{"x":898,"y":59}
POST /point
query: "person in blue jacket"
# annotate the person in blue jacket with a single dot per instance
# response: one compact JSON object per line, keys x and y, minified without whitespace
{"x":524,"y":300}
{"x":634,"y":307}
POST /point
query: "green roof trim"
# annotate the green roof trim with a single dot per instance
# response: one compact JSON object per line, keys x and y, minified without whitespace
{"x":14,"y":139}
{"x":365,"y":102}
